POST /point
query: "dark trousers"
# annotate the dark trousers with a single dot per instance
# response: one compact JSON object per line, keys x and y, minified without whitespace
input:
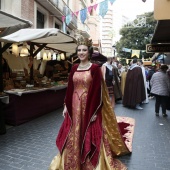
{"x":160,"y":101}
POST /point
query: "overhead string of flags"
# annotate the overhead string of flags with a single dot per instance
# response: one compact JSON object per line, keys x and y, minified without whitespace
{"x":103,"y":8}
{"x":133,"y":51}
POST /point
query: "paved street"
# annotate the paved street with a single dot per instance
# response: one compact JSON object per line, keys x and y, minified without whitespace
{"x":31,"y":146}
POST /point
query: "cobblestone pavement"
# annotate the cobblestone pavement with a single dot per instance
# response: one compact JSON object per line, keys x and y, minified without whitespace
{"x":31,"y":146}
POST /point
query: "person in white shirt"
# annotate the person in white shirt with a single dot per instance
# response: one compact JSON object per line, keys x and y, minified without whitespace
{"x":140,"y":63}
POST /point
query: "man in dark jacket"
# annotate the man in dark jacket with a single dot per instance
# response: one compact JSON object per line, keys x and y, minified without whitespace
{"x":134,"y":92}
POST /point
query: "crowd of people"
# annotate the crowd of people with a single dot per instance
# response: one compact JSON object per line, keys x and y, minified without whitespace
{"x":137,"y":84}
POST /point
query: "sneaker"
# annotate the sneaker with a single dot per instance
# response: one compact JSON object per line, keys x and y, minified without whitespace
{"x":139,"y":108}
{"x":157,"y":114}
{"x":164,"y":115}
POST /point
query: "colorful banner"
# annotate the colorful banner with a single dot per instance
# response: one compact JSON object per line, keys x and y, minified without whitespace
{"x":126,"y":50}
{"x":135,"y":52}
{"x":103,"y":8}
{"x":83,"y":15}
{"x":77,"y":13}
{"x":63,"y":18}
{"x":68,"y":19}
{"x":90,"y":9}
{"x":112,"y":1}
{"x":95,"y":6}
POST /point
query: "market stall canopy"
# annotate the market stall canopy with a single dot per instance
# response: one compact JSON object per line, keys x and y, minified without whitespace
{"x":54,"y":38}
{"x":10,"y":23}
{"x":162,"y":32}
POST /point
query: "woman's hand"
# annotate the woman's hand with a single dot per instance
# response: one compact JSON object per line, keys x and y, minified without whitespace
{"x":93,"y":118}
{"x":64,"y":111}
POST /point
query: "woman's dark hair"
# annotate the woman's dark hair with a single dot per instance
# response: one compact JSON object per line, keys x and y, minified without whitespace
{"x":135,"y":61}
{"x":164,"y":67}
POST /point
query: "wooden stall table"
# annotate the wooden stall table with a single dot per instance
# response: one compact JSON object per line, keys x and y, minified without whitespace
{"x":26,"y":105}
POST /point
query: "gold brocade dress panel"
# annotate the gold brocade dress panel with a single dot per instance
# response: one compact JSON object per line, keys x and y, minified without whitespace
{"x":82,"y":81}
{"x":112,"y":143}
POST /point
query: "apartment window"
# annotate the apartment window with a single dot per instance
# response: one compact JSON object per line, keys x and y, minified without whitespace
{"x":57,"y":26}
{"x":40,"y":20}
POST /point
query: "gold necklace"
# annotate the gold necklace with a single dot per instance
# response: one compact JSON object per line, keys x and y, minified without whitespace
{"x":84,"y":66}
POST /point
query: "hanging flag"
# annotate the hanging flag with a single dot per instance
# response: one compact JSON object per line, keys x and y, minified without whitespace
{"x":112,"y":1}
{"x":77,"y":13}
{"x":63,"y":18}
{"x":135,"y":52}
{"x":83,"y":15}
{"x":68,"y":19}
{"x":64,"y":27}
{"x":126,"y":50}
{"x":95,"y":6}
{"x":103,"y":8}
{"x":90,"y":9}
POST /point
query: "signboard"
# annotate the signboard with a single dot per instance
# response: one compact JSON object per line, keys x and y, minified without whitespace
{"x":157,"y":48}
{"x":161,"y":9}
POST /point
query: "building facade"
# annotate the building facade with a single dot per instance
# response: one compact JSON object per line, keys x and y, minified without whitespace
{"x":110,"y":26}
{"x":49,"y":14}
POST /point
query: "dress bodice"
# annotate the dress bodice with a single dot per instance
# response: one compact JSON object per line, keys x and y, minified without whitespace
{"x":82,"y":81}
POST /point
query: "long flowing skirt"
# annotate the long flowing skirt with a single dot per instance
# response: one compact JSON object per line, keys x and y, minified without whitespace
{"x":116,"y":140}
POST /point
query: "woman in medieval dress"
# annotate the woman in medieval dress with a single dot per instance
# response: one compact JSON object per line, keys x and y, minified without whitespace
{"x":90,"y":137}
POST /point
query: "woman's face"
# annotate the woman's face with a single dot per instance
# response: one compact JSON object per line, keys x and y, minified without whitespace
{"x":82,"y":52}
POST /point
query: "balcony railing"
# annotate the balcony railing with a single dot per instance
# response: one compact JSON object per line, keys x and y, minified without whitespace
{"x":62,"y":6}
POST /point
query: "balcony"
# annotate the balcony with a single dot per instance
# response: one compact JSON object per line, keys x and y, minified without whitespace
{"x":84,"y":30}
{"x":59,"y":8}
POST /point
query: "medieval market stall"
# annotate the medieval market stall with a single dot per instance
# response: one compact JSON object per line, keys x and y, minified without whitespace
{"x":9,"y":24}
{"x":38,"y":72}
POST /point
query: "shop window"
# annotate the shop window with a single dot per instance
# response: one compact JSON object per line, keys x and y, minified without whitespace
{"x":40,"y":20}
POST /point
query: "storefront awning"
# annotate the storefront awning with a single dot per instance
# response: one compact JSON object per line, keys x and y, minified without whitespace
{"x":54,"y":38}
{"x":162,"y":32}
{"x":10,"y":23}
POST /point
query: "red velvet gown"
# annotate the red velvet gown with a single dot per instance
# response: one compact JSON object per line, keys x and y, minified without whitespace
{"x":94,"y":149}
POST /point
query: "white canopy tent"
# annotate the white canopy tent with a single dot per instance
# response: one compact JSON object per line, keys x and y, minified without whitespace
{"x":53,"y":38}
{"x":37,"y":39}
{"x":10,"y":23}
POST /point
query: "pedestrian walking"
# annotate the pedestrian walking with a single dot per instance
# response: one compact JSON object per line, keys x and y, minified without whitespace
{"x":134,"y":92}
{"x":140,"y":63}
{"x":160,"y":88}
